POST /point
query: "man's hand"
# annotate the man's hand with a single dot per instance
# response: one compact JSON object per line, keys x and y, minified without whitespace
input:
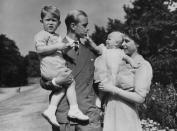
{"x":86,"y":39}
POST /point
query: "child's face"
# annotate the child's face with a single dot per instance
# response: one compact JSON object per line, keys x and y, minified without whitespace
{"x":50,"y":23}
{"x":114,"y":40}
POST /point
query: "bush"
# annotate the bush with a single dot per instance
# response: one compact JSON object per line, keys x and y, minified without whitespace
{"x":161,"y":105}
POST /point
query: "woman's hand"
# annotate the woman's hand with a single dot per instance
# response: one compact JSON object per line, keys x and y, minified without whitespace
{"x":106,"y":87}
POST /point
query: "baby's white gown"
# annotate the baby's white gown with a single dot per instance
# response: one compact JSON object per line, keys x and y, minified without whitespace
{"x":120,"y":115}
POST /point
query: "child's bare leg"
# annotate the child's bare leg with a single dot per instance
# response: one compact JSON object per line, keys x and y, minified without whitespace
{"x":74,"y":111}
{"x":98,"y":102}
{"x":49,"y":113}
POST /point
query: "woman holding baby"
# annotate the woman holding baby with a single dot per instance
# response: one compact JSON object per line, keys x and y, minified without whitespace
{"x":120,"y":112}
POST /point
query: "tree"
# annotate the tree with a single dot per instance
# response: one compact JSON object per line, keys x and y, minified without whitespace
{"x":99,"y":36}
{"x":12,"y":68}
{"x":32,"y":64}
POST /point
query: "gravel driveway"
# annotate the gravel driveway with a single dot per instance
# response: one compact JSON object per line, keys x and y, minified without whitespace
{"x":22,"y":111}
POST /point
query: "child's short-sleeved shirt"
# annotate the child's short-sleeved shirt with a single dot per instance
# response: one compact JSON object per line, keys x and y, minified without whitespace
{"x":50,"y":65}
{"x":113,"y":58}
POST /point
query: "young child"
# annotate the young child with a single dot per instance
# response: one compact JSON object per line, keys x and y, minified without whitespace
{"x":111,"y":65}
{"x":49,"y":46}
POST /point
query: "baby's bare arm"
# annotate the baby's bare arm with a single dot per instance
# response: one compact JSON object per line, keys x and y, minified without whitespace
{"x":93,"y":45}
{"x":129,"y":60}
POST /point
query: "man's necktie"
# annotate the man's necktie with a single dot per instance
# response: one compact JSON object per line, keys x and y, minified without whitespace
{"x":76,"y":46}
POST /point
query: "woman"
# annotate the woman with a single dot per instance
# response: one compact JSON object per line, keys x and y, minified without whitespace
{"x":121,"y":113}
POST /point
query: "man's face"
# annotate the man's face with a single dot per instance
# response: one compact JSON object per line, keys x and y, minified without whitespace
{"x":50,"y":23}
{"x":81,"y":28}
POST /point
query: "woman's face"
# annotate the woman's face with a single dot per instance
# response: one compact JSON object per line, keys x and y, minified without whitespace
{"x":129,"y":46}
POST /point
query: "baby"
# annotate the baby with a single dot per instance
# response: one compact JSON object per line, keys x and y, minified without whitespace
{"x":111,"y":65}
{"x":50,"y":48}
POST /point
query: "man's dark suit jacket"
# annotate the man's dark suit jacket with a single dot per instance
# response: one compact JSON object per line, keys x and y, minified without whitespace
{"x":82,"y":66}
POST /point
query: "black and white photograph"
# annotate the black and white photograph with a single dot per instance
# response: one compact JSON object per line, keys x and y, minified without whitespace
{"x":88,"y":65}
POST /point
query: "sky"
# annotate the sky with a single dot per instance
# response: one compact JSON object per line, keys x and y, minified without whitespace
{"x":20,"y":19}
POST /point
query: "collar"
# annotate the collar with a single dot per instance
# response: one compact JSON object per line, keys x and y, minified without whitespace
{"x":54,"y":34}
{"x":70,"y":40}
{"x":138,"y":58}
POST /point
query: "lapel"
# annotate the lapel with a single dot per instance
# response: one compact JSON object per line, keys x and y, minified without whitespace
{"x":81,"y":60}
{"x":78,"y":59}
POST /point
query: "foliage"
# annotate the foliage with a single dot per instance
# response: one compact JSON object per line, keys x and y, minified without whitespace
{"x":150,"y":125}
{"x":32,"y":64}
{"x":114,"y":24}
{"x":164,"y":66}
{"x":100,"y":35}
{"x":12,"y":68}
{"x":161,"y":105}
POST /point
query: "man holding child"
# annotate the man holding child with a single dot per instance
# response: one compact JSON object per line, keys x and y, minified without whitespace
{"x":81,"y":62}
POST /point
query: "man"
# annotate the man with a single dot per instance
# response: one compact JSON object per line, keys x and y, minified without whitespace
{"x":81,"y":61}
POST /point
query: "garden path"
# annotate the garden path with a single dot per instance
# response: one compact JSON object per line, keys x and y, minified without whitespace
{"x":22,"y":111}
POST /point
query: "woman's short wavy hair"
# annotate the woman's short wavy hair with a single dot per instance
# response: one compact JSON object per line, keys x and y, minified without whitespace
{"x":136,"y":33}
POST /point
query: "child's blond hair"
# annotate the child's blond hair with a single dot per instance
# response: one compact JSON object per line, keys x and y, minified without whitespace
{"x":50,"y":9}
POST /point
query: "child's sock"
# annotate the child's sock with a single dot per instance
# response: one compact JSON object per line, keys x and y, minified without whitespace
{"x":49,"y":115}
{"x":75,"y":112}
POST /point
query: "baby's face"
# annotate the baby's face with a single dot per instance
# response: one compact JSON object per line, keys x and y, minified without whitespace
{"x":114,"y":40}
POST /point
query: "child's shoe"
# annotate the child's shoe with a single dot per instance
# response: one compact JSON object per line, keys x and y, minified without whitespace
{"x":49,"y":115}
{"x":75,"y":112}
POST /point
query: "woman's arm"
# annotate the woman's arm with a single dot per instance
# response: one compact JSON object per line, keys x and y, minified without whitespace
{"x":129,"y":60}
{"x":143,"y":78}
{"x":124,"y":94}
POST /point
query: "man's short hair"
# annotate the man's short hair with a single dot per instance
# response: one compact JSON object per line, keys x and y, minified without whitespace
{"x":72,"y":17}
